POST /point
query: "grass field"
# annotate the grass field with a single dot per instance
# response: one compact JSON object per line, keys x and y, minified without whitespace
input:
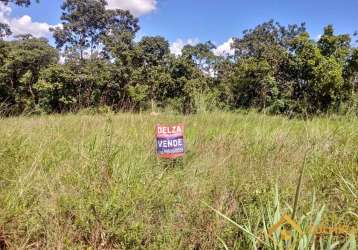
{"x":94,"y":182}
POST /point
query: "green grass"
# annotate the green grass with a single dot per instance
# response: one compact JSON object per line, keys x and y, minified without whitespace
{"x":94,"y":182}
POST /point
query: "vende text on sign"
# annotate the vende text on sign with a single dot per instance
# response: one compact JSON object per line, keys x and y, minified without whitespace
{"x":170,"y":141}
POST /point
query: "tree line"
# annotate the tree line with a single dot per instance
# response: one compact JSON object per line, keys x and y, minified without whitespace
{"x":98,"y":63}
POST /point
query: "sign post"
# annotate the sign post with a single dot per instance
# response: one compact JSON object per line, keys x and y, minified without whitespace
{"x":170,"y":141}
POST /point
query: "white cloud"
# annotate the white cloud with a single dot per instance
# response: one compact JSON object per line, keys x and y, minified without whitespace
{"x":136,"y":7}
{"x":225,"y":49}
{"x":221,"y":50}
{"x":24,"y":24}
{"x":4,"y":12}
{"x":177,"y":46}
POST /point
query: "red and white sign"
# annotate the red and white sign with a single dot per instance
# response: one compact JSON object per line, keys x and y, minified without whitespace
{"x":170,"y":141}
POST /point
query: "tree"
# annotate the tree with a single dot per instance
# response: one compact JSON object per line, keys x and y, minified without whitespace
{"x":4,"y":30}
{"x":267,"y":40}
{"x":202,"y":55}
{"x":276,"y":68}
{"x":261,"y":76}
{"x":83,"y":24}
{"x":252,"y":84}
{"x":153,"y":50}
{"x":319,"y":79}
{"x":63,"y":88}
{"x":187,"y":86}
{"x":334,"y":45}
{"x":25,"y":58}
{"x":153,"y":73}
{"x":120,"y":47}
{"x":221,"y":86}
{"x":87,"y":26}
{"x":94,"y":37}
{"x":351,"y":71}
{"x":118,"y":39}
{"x":271,"y":42}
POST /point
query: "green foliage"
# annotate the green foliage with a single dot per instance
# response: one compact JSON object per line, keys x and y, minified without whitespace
{"x":276,"y":69}
{"x":4,"y":30}
{"x":320,"y":77}
{"x":23,"y":61}
{"x":309,"y":223}
{"x":83,"y":24}
{"x":202,"y":55}
{"x":351,"y":71}
{"x":189,"y":82}
{"x":332,"y":45}
{"x":151,"y":75}
{"x":252,"y":84}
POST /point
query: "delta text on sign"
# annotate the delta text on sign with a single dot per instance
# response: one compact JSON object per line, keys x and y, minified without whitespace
{"x":170,"y":141}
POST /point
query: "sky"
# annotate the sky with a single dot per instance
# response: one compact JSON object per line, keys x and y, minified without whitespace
{"x":193,"y":21}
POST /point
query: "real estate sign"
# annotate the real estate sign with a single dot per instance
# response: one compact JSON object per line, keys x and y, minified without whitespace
{"x":170,"y":141}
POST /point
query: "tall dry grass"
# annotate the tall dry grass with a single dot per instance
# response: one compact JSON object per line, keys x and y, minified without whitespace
{"x":80,"y":181}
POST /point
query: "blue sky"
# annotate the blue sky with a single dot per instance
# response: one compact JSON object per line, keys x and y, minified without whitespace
{"x":191,"y":21}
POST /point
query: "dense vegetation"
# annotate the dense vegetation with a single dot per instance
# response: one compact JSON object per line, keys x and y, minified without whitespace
{"x":94,"y":182}
{"x":276,"y":69}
